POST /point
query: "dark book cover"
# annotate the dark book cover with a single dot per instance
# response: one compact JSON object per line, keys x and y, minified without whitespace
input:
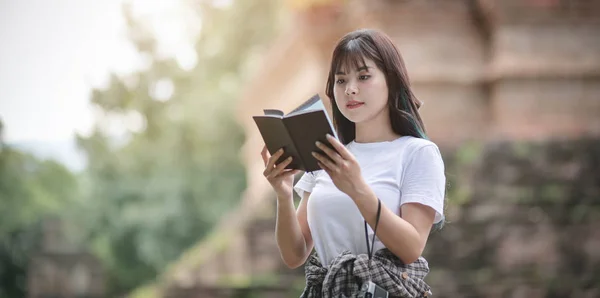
{"x":297,"y":132}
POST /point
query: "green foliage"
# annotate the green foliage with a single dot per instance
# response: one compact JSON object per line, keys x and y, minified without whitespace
{"x":469,"y":153}
{"x":459,"y":167}
{"x":30,"y":190}
{"x":16,"y":249}
{"x":159,"y":189}
{"x":42,"y":187}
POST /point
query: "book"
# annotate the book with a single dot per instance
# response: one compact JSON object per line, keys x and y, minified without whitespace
{"x":297,"y":132}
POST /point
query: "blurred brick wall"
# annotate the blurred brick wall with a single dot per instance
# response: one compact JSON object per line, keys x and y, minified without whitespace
{"x":545,"y":69}
{"x":500,"y":70}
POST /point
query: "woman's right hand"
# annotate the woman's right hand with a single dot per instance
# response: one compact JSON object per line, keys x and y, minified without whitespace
{"x":280,"y":178}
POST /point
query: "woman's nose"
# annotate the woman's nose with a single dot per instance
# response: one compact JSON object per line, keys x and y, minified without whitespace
{"x":351,"y":90}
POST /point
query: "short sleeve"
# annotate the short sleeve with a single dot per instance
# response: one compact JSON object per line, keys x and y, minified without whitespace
{"x":424,"y":180}
{"x":306,"y":183}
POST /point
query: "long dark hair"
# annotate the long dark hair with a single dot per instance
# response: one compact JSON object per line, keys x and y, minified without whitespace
{"x":403,"y":106}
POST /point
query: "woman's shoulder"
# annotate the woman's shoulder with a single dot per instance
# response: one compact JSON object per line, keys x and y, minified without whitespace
{"x":410,"y":144}
{"x":417,"y":150}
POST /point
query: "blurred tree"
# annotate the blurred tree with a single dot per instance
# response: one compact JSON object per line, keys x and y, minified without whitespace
{"x":30,"y":190}
{"x":159,"y":188}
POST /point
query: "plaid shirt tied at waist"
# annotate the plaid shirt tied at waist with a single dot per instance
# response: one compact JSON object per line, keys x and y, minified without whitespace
{"x":348,"y":272}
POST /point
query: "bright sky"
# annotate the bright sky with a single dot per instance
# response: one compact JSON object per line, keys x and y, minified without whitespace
{"x":53,"y":51}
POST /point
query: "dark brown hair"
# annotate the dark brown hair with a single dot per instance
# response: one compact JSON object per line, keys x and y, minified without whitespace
{"x":403,"y":106}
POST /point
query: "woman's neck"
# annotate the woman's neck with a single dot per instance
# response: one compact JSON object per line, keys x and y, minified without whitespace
{"x":378,"y":129}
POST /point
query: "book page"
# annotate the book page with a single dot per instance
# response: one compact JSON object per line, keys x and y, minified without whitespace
{"x":315,"y":103}
{"x":272,"y":112}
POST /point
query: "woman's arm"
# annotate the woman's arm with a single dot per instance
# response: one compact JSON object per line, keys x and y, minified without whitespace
{"x":404,"y":236}
{"x":292,"y":232}
{"x":424,"y":181}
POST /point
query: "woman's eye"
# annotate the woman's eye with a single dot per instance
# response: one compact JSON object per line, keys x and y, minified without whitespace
{"x":364,"y":77}
{"x":339,"y":81}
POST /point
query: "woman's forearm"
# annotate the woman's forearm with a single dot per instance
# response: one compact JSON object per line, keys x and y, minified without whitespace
{"x":291,"y":242}
{"x":397,"y":234}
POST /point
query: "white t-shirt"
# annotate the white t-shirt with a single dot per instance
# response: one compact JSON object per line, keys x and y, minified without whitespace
{"x":405,"y":170}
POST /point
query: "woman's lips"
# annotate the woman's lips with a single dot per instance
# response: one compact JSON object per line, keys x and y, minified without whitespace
{"x":354,"y":105}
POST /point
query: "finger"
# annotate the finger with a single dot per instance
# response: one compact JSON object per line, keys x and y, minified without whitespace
{"x":289,"y":173}
{"x":325,"y":161}
{"x":330,"y":152}
{"x":264,"y":153}
{"x":274,"y":158}
{"x":280,"y":168}
{"x":270,"y":163}
{"x":324,"y":167}
{"x":339,"y":147}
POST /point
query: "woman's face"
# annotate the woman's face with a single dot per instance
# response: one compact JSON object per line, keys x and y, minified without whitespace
{"x":361,"y":94}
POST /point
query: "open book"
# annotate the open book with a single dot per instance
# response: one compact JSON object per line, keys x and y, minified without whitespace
{"x":297,"y":132}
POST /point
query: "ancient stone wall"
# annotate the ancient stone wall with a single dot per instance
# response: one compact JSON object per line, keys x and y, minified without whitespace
{"x":525,"y":222}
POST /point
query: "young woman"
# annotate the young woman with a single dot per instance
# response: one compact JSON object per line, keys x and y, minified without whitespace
{"x":382,"y":189}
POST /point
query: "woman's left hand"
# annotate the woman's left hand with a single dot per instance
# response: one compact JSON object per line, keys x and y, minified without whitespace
{"x":341,"y":166}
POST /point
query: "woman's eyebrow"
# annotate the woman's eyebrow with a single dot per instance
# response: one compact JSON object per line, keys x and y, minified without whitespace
{"x":339,"y":72}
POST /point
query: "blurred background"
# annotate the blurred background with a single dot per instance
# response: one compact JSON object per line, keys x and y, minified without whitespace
{"x":130,"y":165}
